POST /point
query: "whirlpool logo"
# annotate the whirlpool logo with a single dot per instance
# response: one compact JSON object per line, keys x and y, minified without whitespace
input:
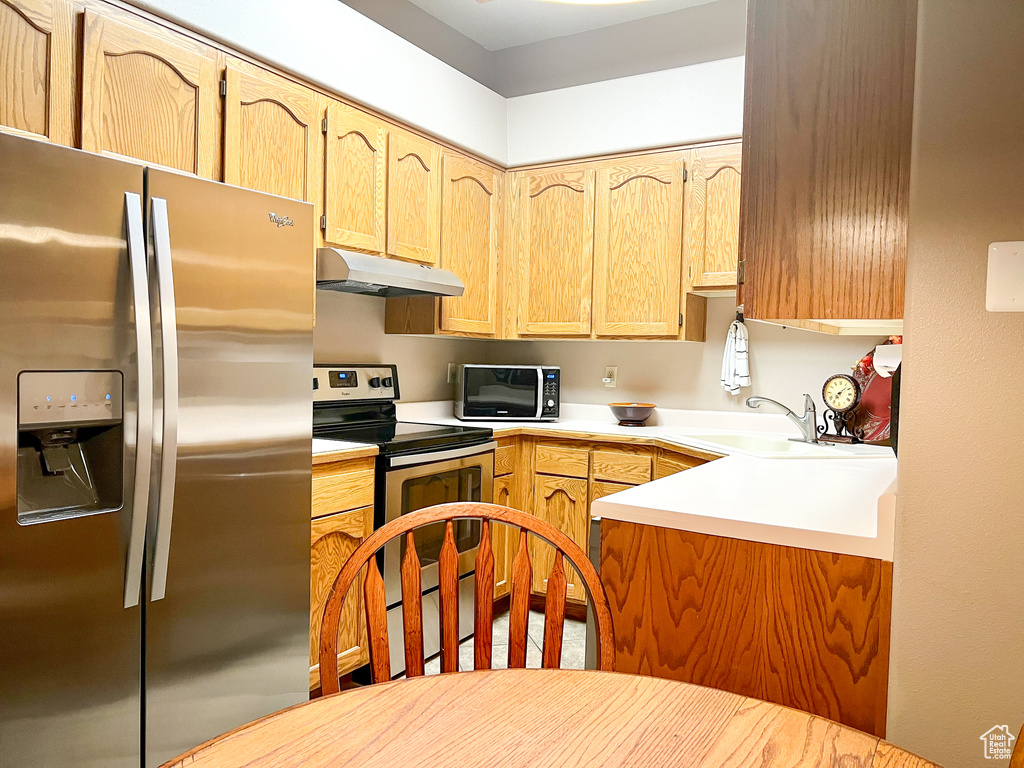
{"x":281,"y":221}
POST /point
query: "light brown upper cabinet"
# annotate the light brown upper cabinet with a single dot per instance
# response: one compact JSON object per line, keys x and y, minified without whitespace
{"x":37,"y":92}
{"x":470,"y":214}
{"x":638,"y":246}
{"x":553,"y":244}
{"x":826,"y":158}
{"x":355,"y":206}
{"x":712,"y":225}
{"x":271,"y":132}
{"x":414,"y":198}
{"x":148,"y":98}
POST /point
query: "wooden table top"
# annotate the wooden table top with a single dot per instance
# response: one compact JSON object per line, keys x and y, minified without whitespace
{"x":536,"y":717}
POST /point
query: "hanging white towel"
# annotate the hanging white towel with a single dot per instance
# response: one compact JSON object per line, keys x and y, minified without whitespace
{"x":735,"y":362}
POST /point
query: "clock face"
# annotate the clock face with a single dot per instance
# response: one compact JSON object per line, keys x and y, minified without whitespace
{"x":841,"y":393}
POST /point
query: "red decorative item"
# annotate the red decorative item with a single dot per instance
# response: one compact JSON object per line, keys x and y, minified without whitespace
{"x":870,"y":419}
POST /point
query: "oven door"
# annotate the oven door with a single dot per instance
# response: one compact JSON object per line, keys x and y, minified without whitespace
{"x":415,"y":482}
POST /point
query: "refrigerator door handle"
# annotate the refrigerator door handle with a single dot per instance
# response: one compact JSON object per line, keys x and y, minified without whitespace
{"x":144,"y":416}
{"x":160,"y":230}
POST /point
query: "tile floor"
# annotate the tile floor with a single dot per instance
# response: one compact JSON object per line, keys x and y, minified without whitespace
{"x":574,"y":645}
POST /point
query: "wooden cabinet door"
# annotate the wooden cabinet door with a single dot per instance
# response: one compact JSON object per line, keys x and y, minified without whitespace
{"x":355,"y":209}
{"x":270,"y":132}
{"x":638,"y":246}
{"x":827,"y":124}
{"x":503,"y":536}
{"x":563,"y":502}
{"x":414,"y":198}
{"x":712,"y":226}
{"x":470,"y":212}
{"x":333,"y":539}
{"x":148,"y":98}
{"x":37,"y":92}
{"x":553,"y":239}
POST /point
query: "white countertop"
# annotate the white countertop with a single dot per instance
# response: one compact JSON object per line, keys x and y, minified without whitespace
{"x":844,"y":504}
{"x":334,"y":446}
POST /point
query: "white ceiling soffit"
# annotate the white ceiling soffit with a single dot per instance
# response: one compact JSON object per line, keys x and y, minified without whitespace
{"x":498,"y":24}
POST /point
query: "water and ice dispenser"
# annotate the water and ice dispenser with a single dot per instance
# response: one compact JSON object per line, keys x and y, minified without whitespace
{"x":70,"y":444}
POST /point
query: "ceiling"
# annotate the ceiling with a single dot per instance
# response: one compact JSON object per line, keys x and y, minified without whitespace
{"x":498,"y":24}
{"x":519,"y":47}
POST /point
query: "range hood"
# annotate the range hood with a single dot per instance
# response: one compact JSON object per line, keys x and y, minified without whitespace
{"x":351,"y":272}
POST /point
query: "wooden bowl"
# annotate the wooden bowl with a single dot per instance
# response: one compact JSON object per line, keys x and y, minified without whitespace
{"x":632,"y":414}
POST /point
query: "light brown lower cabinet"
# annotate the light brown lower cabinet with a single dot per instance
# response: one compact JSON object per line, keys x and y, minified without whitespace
{"x":503,"y":537}
{"x":563,"y":502}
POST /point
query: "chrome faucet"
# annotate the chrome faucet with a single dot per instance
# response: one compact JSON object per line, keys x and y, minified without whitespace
{"x":807,"y":424}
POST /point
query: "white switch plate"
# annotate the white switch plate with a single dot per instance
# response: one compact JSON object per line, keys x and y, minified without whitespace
{"x":1005,"y":292}
{"x":452,"y":373}
{"x":611,"y":376}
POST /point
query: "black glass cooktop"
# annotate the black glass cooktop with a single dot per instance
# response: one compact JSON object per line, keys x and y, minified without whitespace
{"x":397,"y":437}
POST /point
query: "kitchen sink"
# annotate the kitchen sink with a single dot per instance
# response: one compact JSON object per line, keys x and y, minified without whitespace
{"x":771,"y":446}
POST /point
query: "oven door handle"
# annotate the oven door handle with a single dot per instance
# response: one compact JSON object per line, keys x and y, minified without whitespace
{"x":435,"y":456}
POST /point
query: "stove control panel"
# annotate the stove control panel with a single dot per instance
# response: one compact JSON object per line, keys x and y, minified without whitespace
{"x":340,"y":383}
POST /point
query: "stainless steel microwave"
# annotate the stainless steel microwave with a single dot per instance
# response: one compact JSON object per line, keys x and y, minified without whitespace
{"x":507,"y":393}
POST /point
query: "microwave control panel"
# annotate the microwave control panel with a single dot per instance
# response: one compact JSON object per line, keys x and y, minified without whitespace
{"x":549,"y":393}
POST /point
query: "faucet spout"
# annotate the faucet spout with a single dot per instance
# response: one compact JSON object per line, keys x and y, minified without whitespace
{"x":807,"y":424}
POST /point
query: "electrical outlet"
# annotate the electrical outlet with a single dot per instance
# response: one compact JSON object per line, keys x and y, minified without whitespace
{"x":611,"y":376}
{"x":452,"y":372}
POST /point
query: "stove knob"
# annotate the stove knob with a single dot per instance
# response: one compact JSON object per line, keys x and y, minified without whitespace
{"x":388,"y":382}
{"x":551,"y":403}
{"x":375,"y":382}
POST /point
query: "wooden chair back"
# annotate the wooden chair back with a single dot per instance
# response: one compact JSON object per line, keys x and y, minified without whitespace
{"x":448,"y":576}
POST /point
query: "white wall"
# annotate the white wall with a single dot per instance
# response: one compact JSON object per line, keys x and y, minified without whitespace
{"x":330,"y":44}
{"x":675,"y":106}
{"x":957,"y":624}
{"x":785,"y":363}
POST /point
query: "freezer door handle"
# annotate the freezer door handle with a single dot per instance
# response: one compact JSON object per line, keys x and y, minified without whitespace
{"x":144,"y":416}
{"x":160,"y":230}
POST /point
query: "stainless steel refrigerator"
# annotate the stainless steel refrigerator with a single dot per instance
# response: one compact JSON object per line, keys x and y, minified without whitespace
{"x":155,"y":433}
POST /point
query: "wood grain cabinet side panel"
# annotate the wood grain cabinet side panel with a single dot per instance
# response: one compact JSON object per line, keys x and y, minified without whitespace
{"x":826,"y":158}
{"x":553,"y":239}
{"x":271,"y":132}
{"x":563,"y":502}
{"x":355,"y":179}
{"x":37,"y":92}
{"x":505,"y":459}
{"x":638,"y":217}
{"x":712,"y":226}
{"x":148,"y":98}
{"x":829,"y":620}
{"x":670,"y":463}
{"x":805,"y":629}
{"x":503,"y":535}
{"x":332,"y":540}
{"x":414,"y":198}
{"x":470,"y":215}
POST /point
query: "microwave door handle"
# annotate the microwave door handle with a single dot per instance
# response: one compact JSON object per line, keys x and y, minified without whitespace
{"x":540,"y":392}
{"x":144,"y":412}
{"x":169,"y":445}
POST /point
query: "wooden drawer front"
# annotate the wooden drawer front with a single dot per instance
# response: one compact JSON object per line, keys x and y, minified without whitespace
{"x":676,"y":462}
{"x":562,"y":461}
{"x":339,"y":491}
{"x":332,"y":540}
{"x":504,"y":460}
{"x":621,"y":467}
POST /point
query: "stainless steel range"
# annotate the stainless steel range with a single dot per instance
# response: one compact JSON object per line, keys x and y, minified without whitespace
{"x":419,"y":465}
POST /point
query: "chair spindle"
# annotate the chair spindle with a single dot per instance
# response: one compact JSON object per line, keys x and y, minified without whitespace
{"x":377,"y":623}
{"x":554,"y":614}
{"x":519,"y":609}
{"x":412,"y":608}
{"x":448,"y":578}
{"x":484,"y":615}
